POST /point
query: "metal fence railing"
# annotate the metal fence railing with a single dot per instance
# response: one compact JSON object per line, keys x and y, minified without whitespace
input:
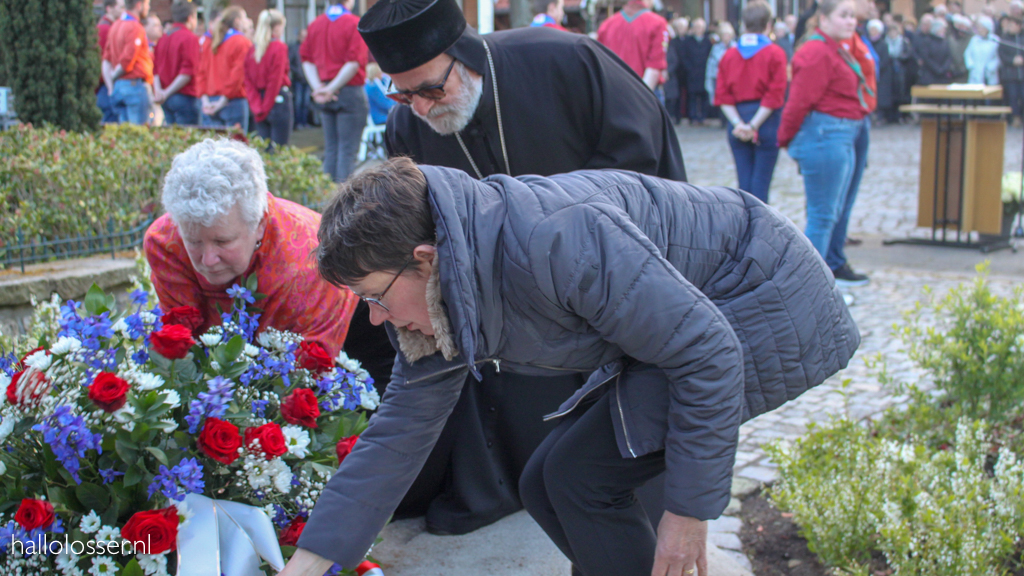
{"x":42,"y":249}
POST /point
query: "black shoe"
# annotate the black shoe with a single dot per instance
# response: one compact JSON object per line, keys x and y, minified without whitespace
{"x":845,"y":276}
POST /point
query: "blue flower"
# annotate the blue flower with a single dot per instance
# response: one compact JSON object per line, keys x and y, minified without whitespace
{"x":140,"y":297}
{"x":69,"y":439}
{"x":237,"y":291}
{"x":259,"y":408}
{"x":188,"y":474}
{"x":212,"y":404}
{"x":109,"y":475}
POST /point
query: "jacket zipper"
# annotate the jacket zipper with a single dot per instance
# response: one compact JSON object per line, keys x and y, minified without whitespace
{"x":622,"y":418}
{"x":578,"y":400}
{"x":454,"y":368}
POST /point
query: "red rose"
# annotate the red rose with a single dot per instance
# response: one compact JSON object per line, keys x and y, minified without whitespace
{"x":108,"y":392}
{"x":271,"y":440}
{"x":220,"y":440}
{"x":172,"y":341}
{"x":33,"y":384}
{"x":29,"y":353}
{"x":186,"y":316}
{"x":290,"y":535}
{"x":152,"y":531}
{"x":300,"y":407}
{"x":34,"y":514}
{"x":314,"y":358}
{"x":345,"y":446}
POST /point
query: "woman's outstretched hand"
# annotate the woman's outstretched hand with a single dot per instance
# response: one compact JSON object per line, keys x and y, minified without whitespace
{"x":682,"y":546}
{"x":306,"y":563}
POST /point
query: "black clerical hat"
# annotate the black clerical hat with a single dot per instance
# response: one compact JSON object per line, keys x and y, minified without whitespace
{"x":404,"y":34}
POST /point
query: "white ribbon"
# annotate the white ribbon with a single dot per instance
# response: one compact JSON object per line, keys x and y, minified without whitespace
{"x":226,"y":538}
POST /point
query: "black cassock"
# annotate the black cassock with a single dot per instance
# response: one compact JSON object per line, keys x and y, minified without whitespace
{"x":567,"y":103}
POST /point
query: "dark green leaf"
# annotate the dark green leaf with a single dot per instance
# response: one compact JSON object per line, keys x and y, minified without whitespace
{"x":233,"y":349}
{"x":133,"y":476}
{"x":93,"y":497}
{"x":95,"y":301}
{"x":158,"y":454}
{"x":133,"y":569}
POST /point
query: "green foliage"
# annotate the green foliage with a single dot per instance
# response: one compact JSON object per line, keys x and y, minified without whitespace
{"x":60,"y":184}
{"x":975,"y":353}
{"x":936,"y":485}
{"x":51,"y":58}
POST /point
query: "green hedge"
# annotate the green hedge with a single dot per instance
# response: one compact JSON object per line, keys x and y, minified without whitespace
{"x":61,"y":184}
{"x":935,"y":486}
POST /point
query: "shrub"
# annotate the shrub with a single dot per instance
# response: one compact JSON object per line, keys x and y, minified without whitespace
{"x":936,"y":485}
{"x":60,"y":184}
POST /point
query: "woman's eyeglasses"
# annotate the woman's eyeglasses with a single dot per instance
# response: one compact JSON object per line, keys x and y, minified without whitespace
{"x":435,"y":92}
{"x":378,"y":299}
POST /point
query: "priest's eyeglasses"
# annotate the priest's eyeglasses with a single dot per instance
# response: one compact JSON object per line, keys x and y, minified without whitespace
{"x":378,"y":299}
{"x":435,"y":92}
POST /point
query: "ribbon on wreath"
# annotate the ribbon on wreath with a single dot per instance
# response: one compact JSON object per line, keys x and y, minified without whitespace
{"x":226,"y":538}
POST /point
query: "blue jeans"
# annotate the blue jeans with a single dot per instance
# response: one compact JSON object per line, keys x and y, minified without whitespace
{"x":302,"y":92}
{"x":236,"y":112}
{"x":181,"y":109}
{"x":832,"y":154}
{"x":344,"y":120}
{"x":103,"y":103}
{"x":131,"y":101}
{"x":755,"y":163}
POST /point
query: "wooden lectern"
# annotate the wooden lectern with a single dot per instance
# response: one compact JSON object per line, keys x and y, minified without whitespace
{"x":961,"y":174}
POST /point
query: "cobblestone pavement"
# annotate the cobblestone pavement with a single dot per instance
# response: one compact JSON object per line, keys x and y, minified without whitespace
{"x":886,"y":206}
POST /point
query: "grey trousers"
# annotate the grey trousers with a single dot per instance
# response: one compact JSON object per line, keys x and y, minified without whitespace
{"x":343,"y":122}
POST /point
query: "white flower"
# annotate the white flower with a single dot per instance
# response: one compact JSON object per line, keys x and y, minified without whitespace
{"x":369,"y":399}
{"x":282,"y":476}
{"x":362,"y":374}
{"x":210,"y":340}
{"x":168,"y":425}
{"x":296,"y":439}
{"x":184,"y":514}
{"x":121,"y":327}
{"x":153,"y":564}
{"x":103,"y":566}
{"x":126,"y":416}
{"x":108,"y":534}
{"x":90,"y":522}
{"x":67,"y":560}
{"x":173,"y":399}
{"x":3,"y":468}
{"x":5,"y":380}
{"x":6,"y":427}
{"x":40,"y":361}
{"x":265,"y":339}
{"x":251,"y":351}
{"x":147,"y":381}
{"x":66,"y":344}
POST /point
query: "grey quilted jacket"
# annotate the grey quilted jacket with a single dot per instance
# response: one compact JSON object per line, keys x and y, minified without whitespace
{"x":695,"y":308}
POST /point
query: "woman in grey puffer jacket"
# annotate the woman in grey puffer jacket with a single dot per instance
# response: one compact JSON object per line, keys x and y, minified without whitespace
{"x":693,"y":309}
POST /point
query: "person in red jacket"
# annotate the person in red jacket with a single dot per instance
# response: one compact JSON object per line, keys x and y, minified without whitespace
{"x":128,"y":65}
{"x":640,"y":37}
{"x":113,"y":10}
{"x":334,"y":60}
{"x":549,"y":14}
{"x":825,"y":127}
{"x":268,"y":80}
{"x":176,"y":67}
{"x":222,"y":72}
{"x":751,"y":88}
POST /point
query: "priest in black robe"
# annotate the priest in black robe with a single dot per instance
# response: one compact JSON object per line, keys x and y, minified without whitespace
{"x":566,"y":103}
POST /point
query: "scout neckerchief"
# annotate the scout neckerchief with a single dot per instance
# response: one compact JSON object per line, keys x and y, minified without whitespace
{"x":336,"y":11}
{"x":751,"y":44}
{"x":127,"y":16}
{"x":543,"y":20}
{"x":862,"y":83}
{"x":501,"y":129}
{"x":231,"y":32}
{"x":635,"y":15}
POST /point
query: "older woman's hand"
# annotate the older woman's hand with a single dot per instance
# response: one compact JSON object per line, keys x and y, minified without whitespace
{"x":682,"y":546}
{"x":306,"y":563}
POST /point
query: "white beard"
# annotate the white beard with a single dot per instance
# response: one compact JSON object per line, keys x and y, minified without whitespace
{"x":457,"y":114}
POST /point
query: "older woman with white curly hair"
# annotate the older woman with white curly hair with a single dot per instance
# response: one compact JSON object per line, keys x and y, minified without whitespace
{"x":221,"y":225}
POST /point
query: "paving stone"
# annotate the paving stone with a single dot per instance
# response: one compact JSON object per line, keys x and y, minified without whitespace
{"x":733,"y":509}
{"x":725,"y":541}
{"x":729,"y":524}
{"x":765,"y":475}
{"x":743,"y":487}
{"x":738,"y":558}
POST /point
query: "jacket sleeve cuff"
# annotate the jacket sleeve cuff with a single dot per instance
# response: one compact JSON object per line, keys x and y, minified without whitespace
{"x":698,"y":488}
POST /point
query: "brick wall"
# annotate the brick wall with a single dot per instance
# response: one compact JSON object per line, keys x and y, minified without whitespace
{"x":162,"y":8}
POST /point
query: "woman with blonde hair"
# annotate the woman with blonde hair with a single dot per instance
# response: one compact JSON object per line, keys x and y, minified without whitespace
{"x":222,"y":69}
{"x":268,"y":80}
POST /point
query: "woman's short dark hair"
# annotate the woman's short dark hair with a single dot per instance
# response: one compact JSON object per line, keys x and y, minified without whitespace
{"x":181,"y":11}
{"x":373,"y":222}
{"x":756,"y":16}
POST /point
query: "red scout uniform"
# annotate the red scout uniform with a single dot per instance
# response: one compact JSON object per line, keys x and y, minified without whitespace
{"x":545,"y":21}
{"x":178,"y":53}
{"x":823,"y":81}
{"x":103,"y":32}
{"x":331,"y":43}
{"x":762,"y":78}
{"x":638,"y":36}
{"x":264,"y":79}
{"x":128,"y":46}
{"x":223,"y":73}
